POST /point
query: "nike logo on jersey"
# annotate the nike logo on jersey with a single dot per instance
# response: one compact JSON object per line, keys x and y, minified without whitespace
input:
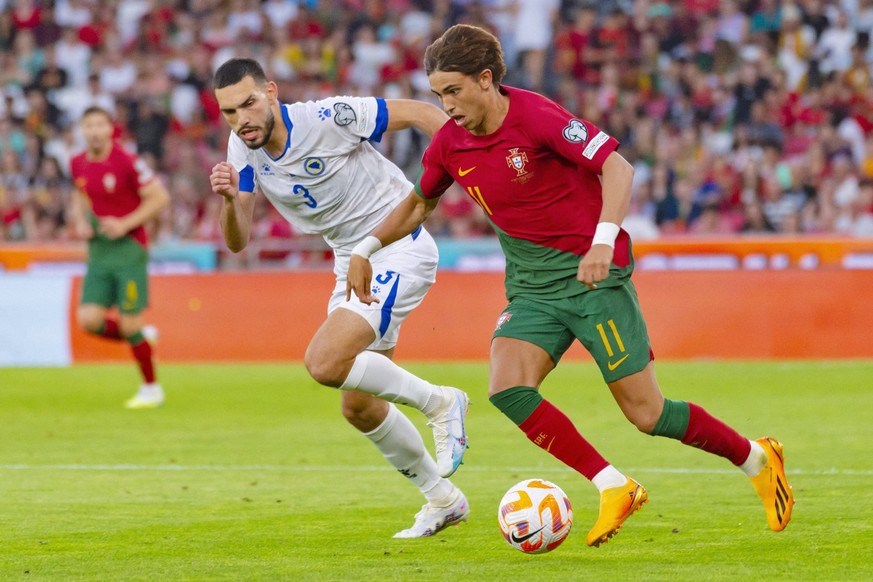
{"x":462,"y":172}
{"x":612,"y":366}
{"x":519,"y":539}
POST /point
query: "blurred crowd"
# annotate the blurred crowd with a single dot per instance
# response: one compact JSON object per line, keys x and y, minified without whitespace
{"x":739,"y":116}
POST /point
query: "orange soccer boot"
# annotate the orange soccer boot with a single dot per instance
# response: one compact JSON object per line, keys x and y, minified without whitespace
{"x":773,"y":487}
{"x":616,"y":505}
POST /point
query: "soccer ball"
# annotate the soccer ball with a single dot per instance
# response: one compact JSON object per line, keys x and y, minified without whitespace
{"x":535,"y":516}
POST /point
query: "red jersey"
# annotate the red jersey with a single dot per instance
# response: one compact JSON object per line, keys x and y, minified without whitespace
{"x":537,"y":178}
{"x":113,"y":184}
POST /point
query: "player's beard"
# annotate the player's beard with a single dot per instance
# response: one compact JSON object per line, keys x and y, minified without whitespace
{"x":97,"y":147}
{"x":269,"y":125}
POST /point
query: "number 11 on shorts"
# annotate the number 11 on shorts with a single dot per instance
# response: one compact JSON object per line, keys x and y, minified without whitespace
{"x":607,"y":345}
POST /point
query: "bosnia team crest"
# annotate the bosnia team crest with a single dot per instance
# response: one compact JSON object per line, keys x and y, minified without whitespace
{"x":313,"y":166}
{"x":517,"y":160}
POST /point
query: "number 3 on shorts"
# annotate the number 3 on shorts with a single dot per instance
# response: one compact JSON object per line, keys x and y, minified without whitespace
{"x":383,"y":278}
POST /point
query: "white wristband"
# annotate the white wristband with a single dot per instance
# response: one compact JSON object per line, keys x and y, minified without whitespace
{"x":605,"y":234}
{"x":367,"y":247}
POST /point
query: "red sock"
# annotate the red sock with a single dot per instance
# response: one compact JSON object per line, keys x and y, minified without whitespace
{"x":110,"y":330}
{"x":713,"y":436}
{"x":143,"y":354}
{"x":550,"y":429}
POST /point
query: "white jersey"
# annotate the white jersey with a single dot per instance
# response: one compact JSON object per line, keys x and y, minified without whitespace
{"x":329,"y":180}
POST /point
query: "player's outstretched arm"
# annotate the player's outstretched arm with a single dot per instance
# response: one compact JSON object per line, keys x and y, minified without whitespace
{"x":154,"y":198}
{"x":617,"y":175}
{"x":405,"y":113}
{"x":237,"y":212}
{"x":406,"y":217}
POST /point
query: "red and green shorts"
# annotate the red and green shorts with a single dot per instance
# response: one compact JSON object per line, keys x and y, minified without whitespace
{"x":607,"y":321}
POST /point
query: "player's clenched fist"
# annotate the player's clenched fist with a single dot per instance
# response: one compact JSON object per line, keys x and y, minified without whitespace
{"x":224,"y":180}
{"x":594,"y":266}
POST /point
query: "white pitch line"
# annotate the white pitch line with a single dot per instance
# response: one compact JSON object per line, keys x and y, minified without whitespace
{"x":374,"y":468}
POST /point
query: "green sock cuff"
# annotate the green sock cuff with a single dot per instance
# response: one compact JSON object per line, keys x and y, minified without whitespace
{"x":518,"y":403}
{"x":135,"y":339}
{"x":673,"y":422}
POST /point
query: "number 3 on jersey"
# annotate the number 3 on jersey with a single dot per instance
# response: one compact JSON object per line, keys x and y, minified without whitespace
{"x":302,"y":191}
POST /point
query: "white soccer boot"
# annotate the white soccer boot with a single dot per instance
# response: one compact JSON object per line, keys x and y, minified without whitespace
{"x":447,"y":422}
{"x":431,"y":519}
{"x":148,"y":396}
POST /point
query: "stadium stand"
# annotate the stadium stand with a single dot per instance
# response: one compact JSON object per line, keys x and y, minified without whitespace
{"x":741,"y":117}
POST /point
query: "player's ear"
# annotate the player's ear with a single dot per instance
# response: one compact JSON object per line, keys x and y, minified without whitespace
{"x":485,"y":79}
{"x":272,"y":91}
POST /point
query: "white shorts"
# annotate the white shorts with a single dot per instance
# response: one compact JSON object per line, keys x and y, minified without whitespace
{"x":402,"y":274}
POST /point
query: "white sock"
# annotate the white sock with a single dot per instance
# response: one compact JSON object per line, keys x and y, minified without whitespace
{"x":608,"y":478}
{"x":400,"y":443}
{"x":756,"y":460}
{"x":377,"y":375}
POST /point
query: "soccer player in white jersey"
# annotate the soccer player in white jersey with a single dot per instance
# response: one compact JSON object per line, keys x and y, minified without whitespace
{"x":314,"y":162}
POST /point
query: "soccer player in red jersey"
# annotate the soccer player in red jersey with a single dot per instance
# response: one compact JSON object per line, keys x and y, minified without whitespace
{"x":116,"y":194}
{"x":556,"y":190}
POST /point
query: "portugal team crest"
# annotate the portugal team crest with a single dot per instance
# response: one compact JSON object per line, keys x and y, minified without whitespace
{"x":504,"y":317}
{"x":517,"y":160}
{"x":109,"y":183}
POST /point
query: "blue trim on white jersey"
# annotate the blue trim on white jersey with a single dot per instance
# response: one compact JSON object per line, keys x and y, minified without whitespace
{"x":247,"y":179}
{"x":388,"y":307}
{"x":290,"y":126}
{"x":416,"y":232}
{"x":381,"y":120}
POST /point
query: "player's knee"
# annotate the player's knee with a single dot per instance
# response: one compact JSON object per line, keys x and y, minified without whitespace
{"x":128,"y":328}
{"x":90,"y":325}
{"x":364,"y":412}
{"x":90,"y":321}
{"x":353,"y":410}
{"x":323,"y":369}
{"x":644,"y":419}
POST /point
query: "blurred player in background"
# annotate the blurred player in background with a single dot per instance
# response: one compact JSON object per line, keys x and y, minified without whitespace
{"x":116,"y":194}
{"x":314,"y":162}
{"x":556,"y":190}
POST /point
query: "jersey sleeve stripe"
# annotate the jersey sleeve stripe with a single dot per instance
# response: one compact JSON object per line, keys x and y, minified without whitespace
{"x":381,"y":120}
{"x":247,"y":179}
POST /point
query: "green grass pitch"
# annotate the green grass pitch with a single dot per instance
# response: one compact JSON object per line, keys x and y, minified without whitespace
{"x":249,"y":472}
